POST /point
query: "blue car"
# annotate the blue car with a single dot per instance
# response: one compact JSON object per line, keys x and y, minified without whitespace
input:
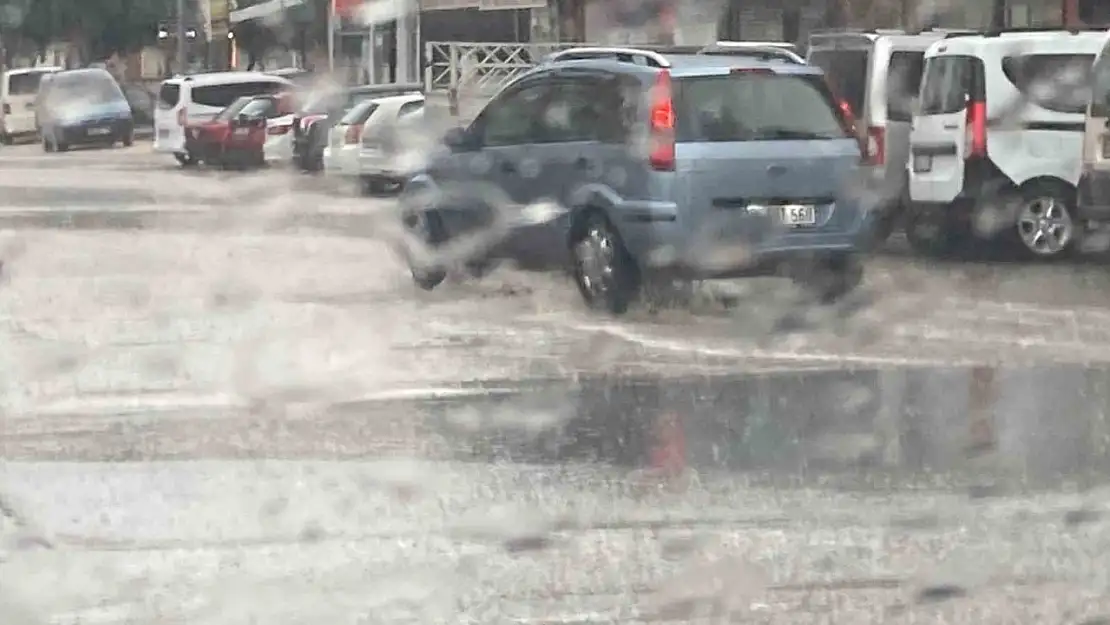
{"x":83,"y":107}
{"x":686,"y":166}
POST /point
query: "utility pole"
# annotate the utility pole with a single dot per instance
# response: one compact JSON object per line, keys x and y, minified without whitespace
{"x":182,"y":60}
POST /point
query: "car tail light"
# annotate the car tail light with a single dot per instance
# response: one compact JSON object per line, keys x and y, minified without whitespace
{"x":182,"y":117}
{"x":353,"y":134}
{"x":975,"y":130}
{"x":662,"y":155}
{"x":875,"y":146}
{"x":7,"y":108}
{"x":278,"y":130}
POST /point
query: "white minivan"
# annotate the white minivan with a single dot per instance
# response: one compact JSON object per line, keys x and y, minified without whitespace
{"x":197,"y":97}
{"x":18,"y":90}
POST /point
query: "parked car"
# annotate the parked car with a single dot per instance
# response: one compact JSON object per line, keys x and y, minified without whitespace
{"x":738,"y":167}
{"x":878,"y":75}
{"x":999,"y":134}
{"x":1094,"y":181}
{"x":341,"y":153}
{"x":82,"y":107}
{"x":185,"y":99}
{"x":389,"y":136}
{"x":312,"y":124}
{"x":239,"y":135}
{"x":18,"y":90}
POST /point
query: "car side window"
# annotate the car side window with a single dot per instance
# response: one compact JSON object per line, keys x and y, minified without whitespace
{"x":578,"y":111}
{"x":513,"y":119}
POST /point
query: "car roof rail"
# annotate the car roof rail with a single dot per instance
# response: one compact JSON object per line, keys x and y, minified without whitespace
{"x":1075,"y":30}
{"x":763,"y":52}
{"x":652,"y":57}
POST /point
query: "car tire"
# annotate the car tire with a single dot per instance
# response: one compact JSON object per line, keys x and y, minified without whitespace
{"x":46,"y":145}
{"x":930,"y":232}
{"x":830,"y":279}
{"x":5,"y":139}
{"x":1049,"y":209}
{"x":128,"y":140}
{"x":427,"y":226}
{"x":185,"y":159}
{"x":605,"y":273}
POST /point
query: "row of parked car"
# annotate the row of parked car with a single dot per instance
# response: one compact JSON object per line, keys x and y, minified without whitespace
{"x":754,"y":164}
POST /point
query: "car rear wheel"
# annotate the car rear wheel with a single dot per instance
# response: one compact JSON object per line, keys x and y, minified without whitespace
{"x":931,"y":231}
{"x":46,"y":145}
{"x":128,"y":140}
{"x":1044,"y":224}
{"x":427,"y":227}
{"x":832,"y":278}
{"x":185,"y":159}
{"x":604,"y":272}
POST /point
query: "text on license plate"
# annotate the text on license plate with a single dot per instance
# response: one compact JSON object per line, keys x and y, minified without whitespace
{"x":242,"y":132}
{"x":922,"y":163}
{"x":798,"y":215}
{"x":99,"y":131}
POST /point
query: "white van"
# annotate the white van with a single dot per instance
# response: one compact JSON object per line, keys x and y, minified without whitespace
{"x":185,"y":99}
{"x":18,"y":89}
{"x":877,"y":74}
{"x":999,"y":126}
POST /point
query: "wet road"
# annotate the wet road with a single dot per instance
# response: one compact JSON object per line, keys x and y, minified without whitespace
{"x":223,"y":400}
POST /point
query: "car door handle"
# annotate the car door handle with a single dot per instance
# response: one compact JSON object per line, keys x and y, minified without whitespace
{"x":951,"y":126}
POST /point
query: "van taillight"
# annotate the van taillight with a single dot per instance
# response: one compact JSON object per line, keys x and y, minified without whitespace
{"x":975,"y":131}
{"x":181,"y":117}
{"x":662,"y":154}
{"x":354,"y":133}
{"x":875,"y":153}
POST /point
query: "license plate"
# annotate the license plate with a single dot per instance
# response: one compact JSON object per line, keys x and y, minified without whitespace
{"x":99,"y":131}
{"x":922,"y":163}
{"x":242,"y":132}
{"x":798,"y":215}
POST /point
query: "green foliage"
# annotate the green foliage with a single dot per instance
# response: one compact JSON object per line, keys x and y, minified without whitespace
{"x":101,"y":27}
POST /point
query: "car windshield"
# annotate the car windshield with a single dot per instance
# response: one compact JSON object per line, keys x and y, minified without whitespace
{"x":756,"y":106}
{"x":236,"y":107}
{"x":89,"y":88}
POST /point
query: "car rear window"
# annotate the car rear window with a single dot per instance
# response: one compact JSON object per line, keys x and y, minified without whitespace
{"x":259,"y":107}
{"x":846,"y":72}
{"x":1056,"y":82}
{"x":902,"y":84}
{"x":26,"y":83}
{"x":1100,"y":85}
{"x":751,"y":106}
{"x":236,"y":107}
{"x":168,"y":95}
{"x":223,"y":95}
{"x":359,"y":114}
{"x":948,"y":83}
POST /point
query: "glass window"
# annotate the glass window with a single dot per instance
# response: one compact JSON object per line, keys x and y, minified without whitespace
{"x":947,"y":84}
{"x":223,"y":95}
{"x":359,"y":114}
{"x":232,"y":111}
{"x":752,"y":106}
{"x":514,"y":118}
{"x":25,"y":83}
{"x":168,"y":95}
{"x":259,"y":107}
{"x":902,"y":83}
{"x":1100,"y":85}
{"x":1057,"y":82}
{"x":846,"y":73}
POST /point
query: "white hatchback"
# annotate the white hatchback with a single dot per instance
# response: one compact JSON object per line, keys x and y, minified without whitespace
{"x":199,"y":97}
{"x":392,"y":138}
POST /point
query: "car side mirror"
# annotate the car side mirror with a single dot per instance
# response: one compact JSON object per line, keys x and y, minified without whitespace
{"x":458,"y":139}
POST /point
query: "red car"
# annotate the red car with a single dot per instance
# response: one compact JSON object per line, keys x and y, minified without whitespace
{"x":236,"y":136}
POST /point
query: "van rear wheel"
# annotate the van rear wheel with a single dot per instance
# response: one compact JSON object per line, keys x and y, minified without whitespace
{"x":1044,"y":224}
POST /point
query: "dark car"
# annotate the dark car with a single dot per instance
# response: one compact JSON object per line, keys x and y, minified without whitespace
{"x":83,"y":107}
{"x":321,"y":111}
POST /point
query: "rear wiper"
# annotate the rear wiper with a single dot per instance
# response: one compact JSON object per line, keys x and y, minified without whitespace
{"x":791,"y":133}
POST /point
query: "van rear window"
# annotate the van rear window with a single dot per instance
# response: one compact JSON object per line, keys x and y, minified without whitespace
{"x":949,"y":82}
{"x":169,"y":95}
{"x":26,"y":83}
{"x":902,"y":83}
{"x":751,"y":106}
{"x":846,"y":72}
{"x":1100,"y":85}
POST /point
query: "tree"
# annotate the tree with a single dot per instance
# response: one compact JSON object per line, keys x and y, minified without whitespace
{"x":97,"y":28}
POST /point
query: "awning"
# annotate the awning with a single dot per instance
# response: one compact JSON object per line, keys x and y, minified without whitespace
{"x":263,"y":9}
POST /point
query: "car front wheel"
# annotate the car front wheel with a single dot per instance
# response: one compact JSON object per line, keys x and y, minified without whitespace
{"x":428,"y":229}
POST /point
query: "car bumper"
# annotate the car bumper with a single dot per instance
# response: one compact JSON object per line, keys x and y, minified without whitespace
{"x":1094,"y":196}
{"x":98,"y":132}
